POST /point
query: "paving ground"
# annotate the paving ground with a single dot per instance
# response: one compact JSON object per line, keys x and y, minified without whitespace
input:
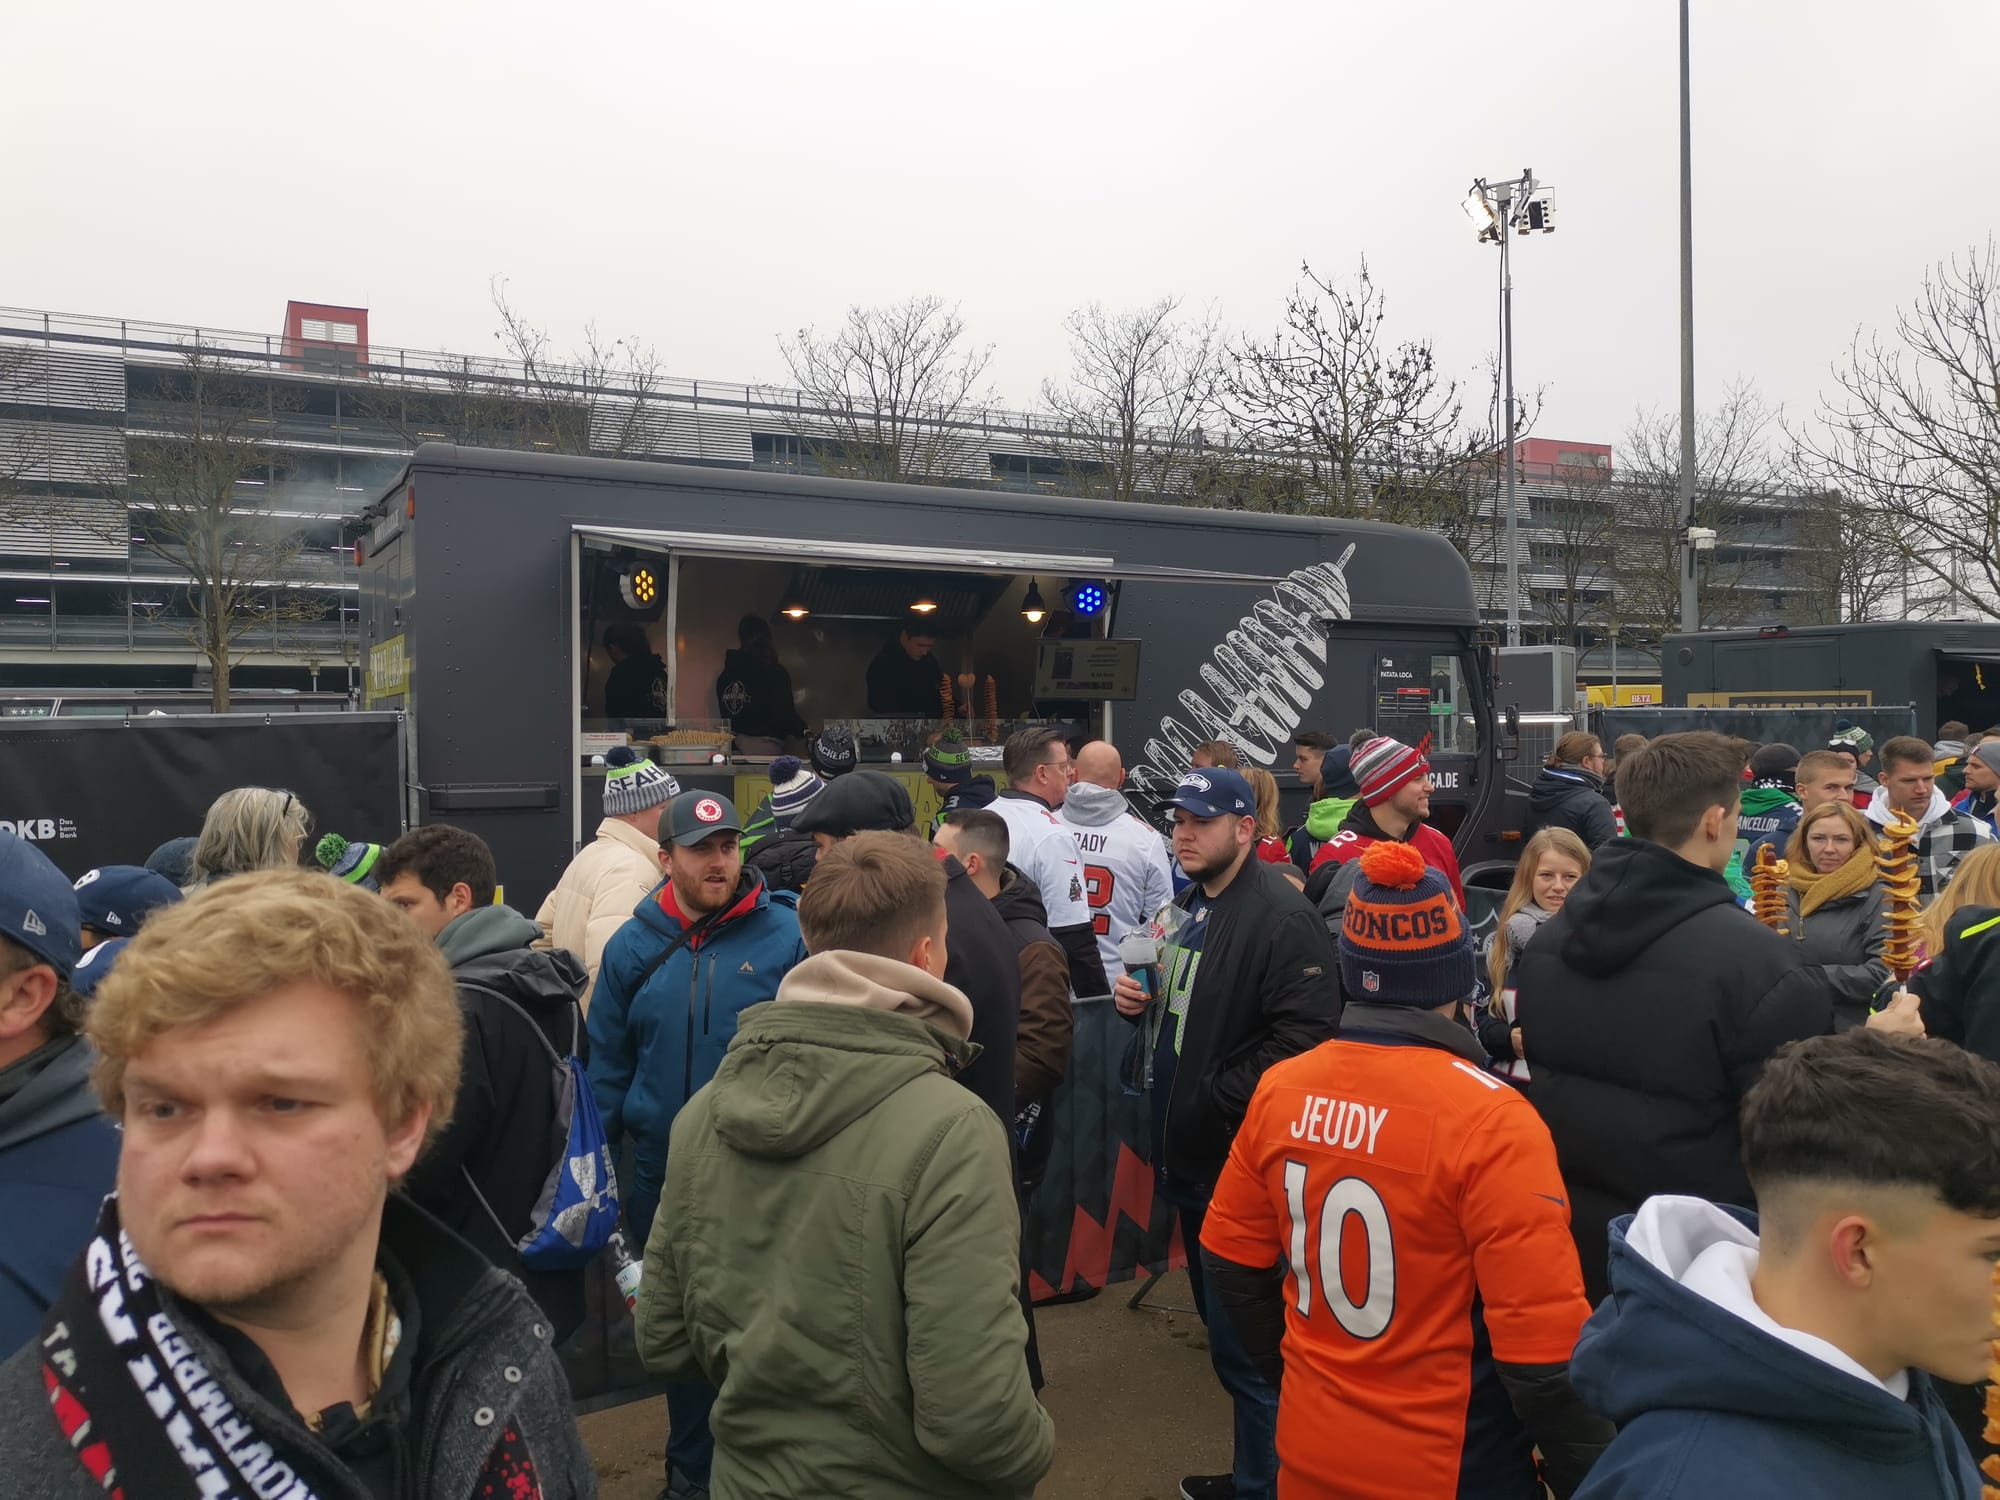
{"x":1134,"y":1402}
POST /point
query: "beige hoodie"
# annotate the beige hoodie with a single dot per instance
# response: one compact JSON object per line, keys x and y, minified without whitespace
{"x":867,"y":980}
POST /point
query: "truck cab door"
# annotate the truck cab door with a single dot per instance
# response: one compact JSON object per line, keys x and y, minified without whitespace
{"x":1422,"y":685}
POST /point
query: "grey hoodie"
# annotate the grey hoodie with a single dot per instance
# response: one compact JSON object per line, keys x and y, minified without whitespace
{"x":485,"y":930}
{"x":1089,"y":805}
{"x":54,"y":1094}
{"x":58,"y":1158}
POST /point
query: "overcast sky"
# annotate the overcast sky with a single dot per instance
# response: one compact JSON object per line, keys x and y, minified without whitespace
{"x":709,"y":176}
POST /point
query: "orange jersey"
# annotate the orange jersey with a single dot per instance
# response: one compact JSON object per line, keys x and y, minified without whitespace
{"x":1417,"y":1203}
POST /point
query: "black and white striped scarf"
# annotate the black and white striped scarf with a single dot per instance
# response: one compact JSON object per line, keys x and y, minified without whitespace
{"x":137,"y":1404}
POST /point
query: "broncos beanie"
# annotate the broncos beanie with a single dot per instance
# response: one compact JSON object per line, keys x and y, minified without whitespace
{"x":1402,"y":940}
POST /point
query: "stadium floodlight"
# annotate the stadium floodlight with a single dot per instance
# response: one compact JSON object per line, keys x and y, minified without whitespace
{"x":1525,"y":206}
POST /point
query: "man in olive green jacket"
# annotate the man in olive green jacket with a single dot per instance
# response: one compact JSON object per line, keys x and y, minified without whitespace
{"x":837,"y":1247}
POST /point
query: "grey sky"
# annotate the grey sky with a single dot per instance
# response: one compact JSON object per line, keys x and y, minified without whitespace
{"x":708,"y":176}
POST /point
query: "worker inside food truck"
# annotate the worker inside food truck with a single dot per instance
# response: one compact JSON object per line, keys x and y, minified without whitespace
{"x":752,"y":657}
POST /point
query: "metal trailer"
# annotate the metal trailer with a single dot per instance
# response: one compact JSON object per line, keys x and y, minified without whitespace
{"x":484,"y":577}
{"x":1948,"y":670}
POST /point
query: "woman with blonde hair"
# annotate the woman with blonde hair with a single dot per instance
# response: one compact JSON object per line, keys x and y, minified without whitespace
{"x":1975,"y":882}
{"x":249,"y":828}
{"x":1552,"y":862}
{"x":1834,"y":905}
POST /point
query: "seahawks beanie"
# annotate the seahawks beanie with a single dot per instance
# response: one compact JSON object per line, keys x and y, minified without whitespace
{"x":948,"y":762}
{"x":352,"y":862}
{"x":633,"y":783}
{"x":1402,"y":939}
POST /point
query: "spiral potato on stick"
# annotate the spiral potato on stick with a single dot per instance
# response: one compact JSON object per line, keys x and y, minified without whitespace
{"x":1767,"y":890}
{"x":1896,"y":866}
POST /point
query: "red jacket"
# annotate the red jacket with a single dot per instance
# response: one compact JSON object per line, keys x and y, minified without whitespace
{"x":1436,"y":849}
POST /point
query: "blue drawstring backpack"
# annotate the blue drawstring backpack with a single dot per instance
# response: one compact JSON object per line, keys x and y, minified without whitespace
{"x":577,"y":1210}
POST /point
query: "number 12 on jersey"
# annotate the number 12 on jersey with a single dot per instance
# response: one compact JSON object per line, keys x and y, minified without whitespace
{"x":1369,"y":1317}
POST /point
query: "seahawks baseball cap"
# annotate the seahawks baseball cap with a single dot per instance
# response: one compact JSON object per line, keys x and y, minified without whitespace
{"x":698,"y":814}
{"x":114,"y":899}
{"x":1215,"y":793}
{"x":38,"y":906}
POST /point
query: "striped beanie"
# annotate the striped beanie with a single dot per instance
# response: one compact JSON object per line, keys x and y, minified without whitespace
{"x":793,"y":785}
{"x":352,"y":862}
{"x":1402,"y":939}
{"x":1382,"y":766}
{"x":948,"y":762}
{"x":633,"y":783}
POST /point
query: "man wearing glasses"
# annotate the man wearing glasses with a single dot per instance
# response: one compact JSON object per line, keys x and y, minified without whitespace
{"x":1040,"y":846}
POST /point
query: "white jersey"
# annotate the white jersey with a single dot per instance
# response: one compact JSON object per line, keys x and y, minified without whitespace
{"x":1039,"y":846}
{"x":1127,"y":876}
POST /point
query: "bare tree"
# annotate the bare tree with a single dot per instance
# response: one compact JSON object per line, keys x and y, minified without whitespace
{"x":603,"y":396}
{"x":1912,"y":434}
{"x":23,"y":383}
{"x":1738,"y":494}
{"x":198,"y":496}
{"x":1844,"y":568}
{"x":883,"y":395}
{"x":1356,"y":425}
{"x":1140,"y":383}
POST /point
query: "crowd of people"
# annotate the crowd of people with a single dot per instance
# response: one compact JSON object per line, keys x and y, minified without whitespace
{"x":1631,"y":1195}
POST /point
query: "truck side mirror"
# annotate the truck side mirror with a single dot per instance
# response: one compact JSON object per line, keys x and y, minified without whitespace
{"x":1511,"y":717}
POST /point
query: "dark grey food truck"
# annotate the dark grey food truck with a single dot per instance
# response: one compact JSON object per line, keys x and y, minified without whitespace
{"x":1946,"y":669}
{"x":529,"y":611}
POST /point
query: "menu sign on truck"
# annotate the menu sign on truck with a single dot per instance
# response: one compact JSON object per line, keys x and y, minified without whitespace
{"x":1087,"y":669}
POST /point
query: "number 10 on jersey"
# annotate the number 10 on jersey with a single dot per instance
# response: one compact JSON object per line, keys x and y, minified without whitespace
{"x":1369,"y":1317}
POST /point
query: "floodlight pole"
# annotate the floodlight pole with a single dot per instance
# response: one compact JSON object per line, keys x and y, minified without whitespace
{"x":1507,"y":395}
{"x":1690,"y":592}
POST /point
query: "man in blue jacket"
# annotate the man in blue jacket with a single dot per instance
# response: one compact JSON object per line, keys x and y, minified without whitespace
{"x":710,"y":943}
{"x":58,"y":1154}
{"x":1793,"y":1355}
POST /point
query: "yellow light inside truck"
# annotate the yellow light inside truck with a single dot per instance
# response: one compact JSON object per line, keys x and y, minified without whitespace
{"x":640,"y":586}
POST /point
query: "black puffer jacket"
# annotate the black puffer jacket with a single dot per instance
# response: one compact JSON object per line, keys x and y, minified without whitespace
{"x":785,"y":859}
{"x":1847,"y":936}
{"x":1648,"y":1005}
{"x":1268,"y":988}
{"x":1573,"y":798}
{"x":1961,"y":987}
{"x":502,"y":1132}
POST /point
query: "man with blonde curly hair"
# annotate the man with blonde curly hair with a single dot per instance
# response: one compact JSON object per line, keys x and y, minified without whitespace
{"x":256,"y":1313}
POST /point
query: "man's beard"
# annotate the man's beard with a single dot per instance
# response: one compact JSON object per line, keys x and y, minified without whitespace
{"x":1207,"y":868}
{"x":705,"y":898}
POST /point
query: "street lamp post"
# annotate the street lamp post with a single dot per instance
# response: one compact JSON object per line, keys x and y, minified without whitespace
{"x":1524,"y":206}
{"x":1690,"y":591}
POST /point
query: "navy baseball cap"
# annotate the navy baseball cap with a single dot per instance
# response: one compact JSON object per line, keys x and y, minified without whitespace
{"x":698,"y":814}
{"x":1215,"y":793}
{"x":38,"y":907}
{"x":116,"y":898}
{"x":94,"y":965}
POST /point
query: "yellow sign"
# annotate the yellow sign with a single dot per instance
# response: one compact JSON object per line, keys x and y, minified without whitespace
{"x":1627,"y":695}
{"x":389,"y":668}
